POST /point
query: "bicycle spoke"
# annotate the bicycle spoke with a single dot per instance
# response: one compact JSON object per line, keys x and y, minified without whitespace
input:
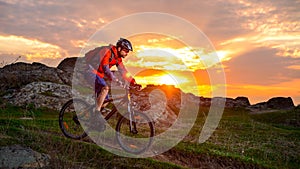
{"x":139,"y":141}
{"x":68,"y":119}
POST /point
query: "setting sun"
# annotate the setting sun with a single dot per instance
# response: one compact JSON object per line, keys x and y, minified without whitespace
{"x":167,"y":79}
{"x":162,"y":60}
{"x":160,"y":77}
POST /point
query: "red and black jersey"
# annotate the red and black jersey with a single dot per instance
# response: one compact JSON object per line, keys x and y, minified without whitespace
{"x":106,"y":57}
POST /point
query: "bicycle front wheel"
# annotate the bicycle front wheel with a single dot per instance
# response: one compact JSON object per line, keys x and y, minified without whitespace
{"x":137,"y":137}
{"x":68,"y":119}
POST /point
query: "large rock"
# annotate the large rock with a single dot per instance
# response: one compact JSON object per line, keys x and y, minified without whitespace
{"x":68,"y":64}
{"x":19,"y":74}
{"x":17,"y":156}
{"x":242,"y":101}
{"x":161,"y":103}
{"x":277,"y":103}
{"x":280,"y":103}
{"x":41,"y":94}
{"x":229,"y":102}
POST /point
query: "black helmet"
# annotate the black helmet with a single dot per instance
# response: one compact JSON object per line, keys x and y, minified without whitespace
{"x":124,"y":43}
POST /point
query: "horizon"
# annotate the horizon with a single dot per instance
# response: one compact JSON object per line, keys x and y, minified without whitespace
{"x":257,"y":43}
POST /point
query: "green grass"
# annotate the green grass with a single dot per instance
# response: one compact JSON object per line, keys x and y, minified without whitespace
{"x":270,"y":140}
{"x":253,"y":138}
{"x":42,"y":134}
{"x":289,"y":119}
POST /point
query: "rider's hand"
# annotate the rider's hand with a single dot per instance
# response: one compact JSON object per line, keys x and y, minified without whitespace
{"x":134,"y":85}
{"x":137,"y":87}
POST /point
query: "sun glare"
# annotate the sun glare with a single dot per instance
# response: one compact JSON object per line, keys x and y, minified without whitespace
{"x":171,"y":62}
{"x":167,"y":80}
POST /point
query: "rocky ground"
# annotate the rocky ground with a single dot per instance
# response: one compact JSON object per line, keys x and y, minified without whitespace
{"x":16,"y":156}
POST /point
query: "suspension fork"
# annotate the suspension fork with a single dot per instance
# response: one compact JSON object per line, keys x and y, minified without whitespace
{"x":132,"y":122}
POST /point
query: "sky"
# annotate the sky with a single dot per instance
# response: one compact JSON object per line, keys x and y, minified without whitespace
{"x":257,"y":42}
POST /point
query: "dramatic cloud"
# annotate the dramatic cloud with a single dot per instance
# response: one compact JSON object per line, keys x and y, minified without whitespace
{"x":262,"y":67}
{"x":181,"y":59}
{"x":270,"y":24}
{"x":31,"y":48}
{"x":56,"y":22}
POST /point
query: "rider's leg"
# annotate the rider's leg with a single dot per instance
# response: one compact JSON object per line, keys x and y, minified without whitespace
{"x":101,"y":97}
{"x":97,"y":122}
{"x":99,"y":85}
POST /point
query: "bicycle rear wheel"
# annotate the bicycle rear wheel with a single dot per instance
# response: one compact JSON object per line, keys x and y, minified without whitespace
{"x":69,"y":121}
{"x":135,"y":142}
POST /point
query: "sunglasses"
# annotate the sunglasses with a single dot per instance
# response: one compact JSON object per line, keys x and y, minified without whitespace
{"x":125,"y":50}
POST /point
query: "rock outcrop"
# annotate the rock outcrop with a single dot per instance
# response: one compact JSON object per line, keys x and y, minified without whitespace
{"x":19,"y":74}
{"x":68,"y":64}
{"x":229,"y":102}
{"x":17,"y":156}
{"x":41,"y":94}
{"x":278,"y":103}
{"x":242,"y":101}
{"x":161,"y":103}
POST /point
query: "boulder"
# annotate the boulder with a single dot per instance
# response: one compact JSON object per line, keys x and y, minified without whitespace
{"x":41,"y":94}
{"x":19,"y":74}
{"x":229,"y":102}
{"x":16,"y":156}
{"x":280,"y":103}
{"x":242,"y":101}
{"x":67,"y":64}
{"x":277,"y":103}
{"x":161,"y":103}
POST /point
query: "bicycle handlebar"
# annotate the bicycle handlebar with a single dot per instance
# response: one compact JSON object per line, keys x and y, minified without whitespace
{"x":136,"y":88}
{"x":131,"y":87}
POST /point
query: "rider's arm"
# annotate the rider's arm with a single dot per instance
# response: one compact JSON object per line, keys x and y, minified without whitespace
{"x":105,"y":66}
{"x":126,"y":75}
{"x":109,"y":73}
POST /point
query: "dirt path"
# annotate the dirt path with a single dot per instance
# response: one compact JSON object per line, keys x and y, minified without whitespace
{"x":256,"y":111}
{"x":203,"y":161}
{"x":190,"y":160}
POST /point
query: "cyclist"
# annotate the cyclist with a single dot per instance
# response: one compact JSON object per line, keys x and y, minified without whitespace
{"x":99,"y":64}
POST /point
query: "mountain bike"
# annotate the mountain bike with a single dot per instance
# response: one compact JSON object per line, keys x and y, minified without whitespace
{"x":133,"y":124}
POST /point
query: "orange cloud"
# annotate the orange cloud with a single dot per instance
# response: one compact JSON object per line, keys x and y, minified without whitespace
{"x":168,"y":53}
{"x":295,"y":67}
{"x":272,"y":26}
{"x":32,"y":49}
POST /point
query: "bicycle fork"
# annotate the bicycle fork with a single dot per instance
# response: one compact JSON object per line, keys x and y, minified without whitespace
{"x":132,"y":122}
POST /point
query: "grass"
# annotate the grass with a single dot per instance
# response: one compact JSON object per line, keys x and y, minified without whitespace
{"x":254,"y":138}
{"x":242,"y":140}
{"x":43,"y":134}
{"x":289,"y":119}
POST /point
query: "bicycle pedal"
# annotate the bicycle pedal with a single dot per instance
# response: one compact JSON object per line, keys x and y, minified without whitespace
{"x":104,"y":105}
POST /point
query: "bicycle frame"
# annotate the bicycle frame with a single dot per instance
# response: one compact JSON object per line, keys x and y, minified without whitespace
{"x":124,"y":100}
{"x":128,"y":123}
